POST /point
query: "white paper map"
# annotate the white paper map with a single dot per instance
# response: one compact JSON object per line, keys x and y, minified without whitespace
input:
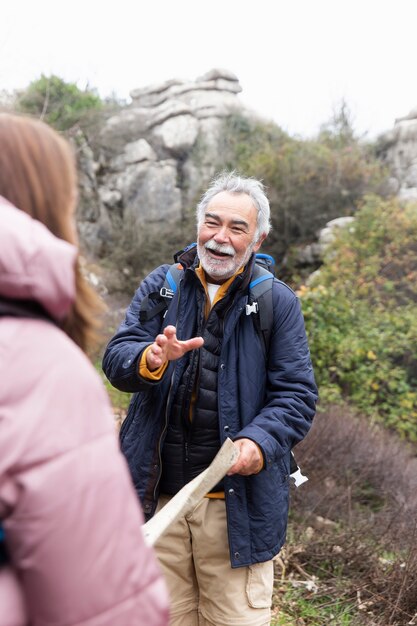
{"x":191,"y":494}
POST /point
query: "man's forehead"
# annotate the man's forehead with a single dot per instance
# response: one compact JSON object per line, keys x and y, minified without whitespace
{"x":237,"y":206}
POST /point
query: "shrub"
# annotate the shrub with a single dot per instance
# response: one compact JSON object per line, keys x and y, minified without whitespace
{"x":309,"y":182}
{"x":360,"y":312}
{"x":353,"y":526}
{"x":60,"y":104}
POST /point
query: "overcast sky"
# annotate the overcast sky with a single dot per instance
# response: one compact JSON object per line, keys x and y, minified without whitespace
{"x":295,"y":59}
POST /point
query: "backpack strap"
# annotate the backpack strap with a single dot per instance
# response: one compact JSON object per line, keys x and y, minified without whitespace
{"x":260,"y":303}
{"x":164,"y":295}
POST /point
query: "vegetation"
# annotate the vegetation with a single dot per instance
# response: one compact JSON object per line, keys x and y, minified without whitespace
{"x":60,"y":104}
{"x":360,"y":315}
{"x":351,"y":554}
{"x":309,"y":181}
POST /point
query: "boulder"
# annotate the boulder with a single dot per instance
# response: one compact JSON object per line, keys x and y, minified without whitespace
{"x":398,"y":148}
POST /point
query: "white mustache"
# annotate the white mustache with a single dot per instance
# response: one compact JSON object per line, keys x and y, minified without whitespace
{"x":218,"y":247}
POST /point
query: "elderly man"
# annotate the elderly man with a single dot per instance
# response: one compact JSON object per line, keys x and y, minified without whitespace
{"x":200,"y":373}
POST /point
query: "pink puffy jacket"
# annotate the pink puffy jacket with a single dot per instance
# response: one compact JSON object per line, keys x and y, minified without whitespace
{"x":71,"y":517}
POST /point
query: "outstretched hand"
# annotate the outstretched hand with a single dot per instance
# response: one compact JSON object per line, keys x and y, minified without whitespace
{"x":167,"y":347}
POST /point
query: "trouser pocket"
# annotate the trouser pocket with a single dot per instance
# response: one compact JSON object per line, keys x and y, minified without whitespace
{"x":260,"y":584}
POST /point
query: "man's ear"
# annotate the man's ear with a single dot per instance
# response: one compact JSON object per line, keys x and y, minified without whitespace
{"x":260,"y":241}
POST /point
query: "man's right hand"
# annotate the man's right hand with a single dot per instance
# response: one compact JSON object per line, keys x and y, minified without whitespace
{"x":167,"y":347}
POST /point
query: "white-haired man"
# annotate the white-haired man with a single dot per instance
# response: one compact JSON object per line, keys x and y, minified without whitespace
{"x":200,"y":373}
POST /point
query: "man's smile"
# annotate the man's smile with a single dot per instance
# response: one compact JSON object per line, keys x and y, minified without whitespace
{"x":218,"y":255}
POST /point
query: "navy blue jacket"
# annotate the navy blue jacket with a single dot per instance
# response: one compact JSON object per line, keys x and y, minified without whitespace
{"x":272,"y":403}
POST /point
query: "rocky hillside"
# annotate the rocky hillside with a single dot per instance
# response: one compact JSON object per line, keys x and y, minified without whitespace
{"x":152,"y":159}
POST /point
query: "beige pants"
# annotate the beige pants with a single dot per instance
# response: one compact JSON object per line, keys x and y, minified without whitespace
{"x":205,"y":590}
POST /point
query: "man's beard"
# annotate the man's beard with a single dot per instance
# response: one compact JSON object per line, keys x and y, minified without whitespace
{"x":224,"y":268}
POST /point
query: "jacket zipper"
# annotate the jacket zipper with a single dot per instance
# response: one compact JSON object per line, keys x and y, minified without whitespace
{"x":190,"y":389}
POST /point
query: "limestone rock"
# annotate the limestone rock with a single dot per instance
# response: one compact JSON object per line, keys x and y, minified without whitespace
{"x":312,"y":255}
{"x":398,"y":147}
{"x":155,"y":156}
{"x":178,"y":134}
{"x":138,"y":151}
{"x":328,"y":233}
{"x":150,"y":192}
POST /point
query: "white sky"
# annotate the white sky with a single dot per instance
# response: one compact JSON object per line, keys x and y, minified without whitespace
{"x":295,"y":59}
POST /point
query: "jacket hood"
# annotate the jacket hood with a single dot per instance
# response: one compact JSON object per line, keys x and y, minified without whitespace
{"x":34,"y":264}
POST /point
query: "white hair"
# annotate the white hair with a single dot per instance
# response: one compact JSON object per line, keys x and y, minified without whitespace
{"x":234,"y":183}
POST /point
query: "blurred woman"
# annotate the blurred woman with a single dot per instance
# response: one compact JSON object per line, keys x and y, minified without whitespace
{"x":71,"y":520}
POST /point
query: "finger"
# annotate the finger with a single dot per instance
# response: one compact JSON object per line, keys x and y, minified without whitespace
{"x":236,"y":467}
{"x":154,"y":357}
{"x":161,"y":340}
{"x":192,"y":344}
{"x":170,"y":332}
{"x":248,"y":462}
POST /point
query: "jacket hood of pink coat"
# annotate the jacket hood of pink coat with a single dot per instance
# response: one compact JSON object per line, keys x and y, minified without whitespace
{"x":34,"y":264}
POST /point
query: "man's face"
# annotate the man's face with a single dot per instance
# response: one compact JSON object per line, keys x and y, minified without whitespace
{"x":226,"y":236}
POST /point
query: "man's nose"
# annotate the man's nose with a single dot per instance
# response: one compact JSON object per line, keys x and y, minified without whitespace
{"x":222,"y":235}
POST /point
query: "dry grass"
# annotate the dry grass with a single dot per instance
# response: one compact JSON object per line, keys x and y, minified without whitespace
{"x":353,"y":528}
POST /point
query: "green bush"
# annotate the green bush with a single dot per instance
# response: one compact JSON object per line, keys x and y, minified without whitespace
{"x":360,"y":312}
{"x":309,"y":181}
{"x":60,"y":104}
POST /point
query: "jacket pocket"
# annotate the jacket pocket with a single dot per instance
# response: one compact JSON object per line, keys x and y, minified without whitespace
{"x":260,"y":584}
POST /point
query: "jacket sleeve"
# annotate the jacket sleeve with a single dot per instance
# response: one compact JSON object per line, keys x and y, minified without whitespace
{"x":291,"y":391}
{"x":123,"y":352}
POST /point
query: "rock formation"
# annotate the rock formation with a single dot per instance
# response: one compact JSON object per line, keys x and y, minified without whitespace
{"x":154,"y":157}
{"x":398,"y":148}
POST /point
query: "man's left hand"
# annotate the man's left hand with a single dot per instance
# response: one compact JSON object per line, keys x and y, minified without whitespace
{"x":250,"y":460}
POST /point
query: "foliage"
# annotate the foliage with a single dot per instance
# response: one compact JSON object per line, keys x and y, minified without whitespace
{"x":299,"y":605}
{"x":60,"y":104}
{"x":141,"y":248}
{"x":360,"y":312}
{"x":342,"y":578}
{"x":309,"y":182}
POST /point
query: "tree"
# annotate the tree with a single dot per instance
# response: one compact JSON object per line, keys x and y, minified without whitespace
{"x":60,"y":104}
